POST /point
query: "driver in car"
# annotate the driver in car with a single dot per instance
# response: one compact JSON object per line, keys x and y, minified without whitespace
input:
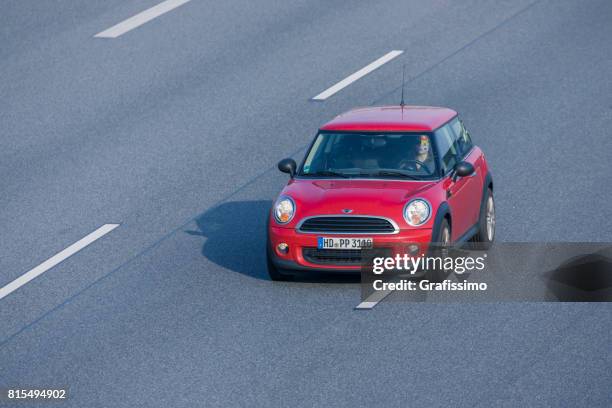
{"x":422,"y":160}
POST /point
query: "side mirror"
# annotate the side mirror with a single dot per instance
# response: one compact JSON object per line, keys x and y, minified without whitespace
{"x":288,"y":166}
{"x":464,"y":169}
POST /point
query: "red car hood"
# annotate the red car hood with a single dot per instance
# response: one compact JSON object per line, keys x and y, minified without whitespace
{"x":367,"y":197}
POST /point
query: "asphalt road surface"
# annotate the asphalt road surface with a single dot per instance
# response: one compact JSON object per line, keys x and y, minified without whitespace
{"x":173,"y":130}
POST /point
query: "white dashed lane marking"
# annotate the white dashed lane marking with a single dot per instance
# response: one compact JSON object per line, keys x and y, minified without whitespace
{"x":357,"y":75}
{"x":140,"y":19}
{"x":56,"y":259}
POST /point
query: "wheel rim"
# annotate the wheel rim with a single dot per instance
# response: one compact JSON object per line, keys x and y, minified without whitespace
{"x":490,"y":219}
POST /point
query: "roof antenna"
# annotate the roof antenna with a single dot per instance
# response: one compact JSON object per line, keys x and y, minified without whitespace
{"x":403,"y":82}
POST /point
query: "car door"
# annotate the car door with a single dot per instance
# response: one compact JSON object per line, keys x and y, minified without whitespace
{"x":462,"y":193}
{"x":473,"y":156}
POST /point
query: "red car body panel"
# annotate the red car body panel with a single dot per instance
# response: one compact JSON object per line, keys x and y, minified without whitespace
{"x":380,"y":197}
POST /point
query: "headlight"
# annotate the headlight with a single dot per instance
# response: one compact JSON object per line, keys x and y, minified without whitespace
{"x":417,"y":212}
{"x":284,"y":209}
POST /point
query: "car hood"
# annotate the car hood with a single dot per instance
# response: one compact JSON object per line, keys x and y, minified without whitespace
{"x":362,"y":197}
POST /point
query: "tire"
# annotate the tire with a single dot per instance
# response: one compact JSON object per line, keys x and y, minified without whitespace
{"x":273,"y":271}
{"x":486,"y":224}
{"x":443,"y":243}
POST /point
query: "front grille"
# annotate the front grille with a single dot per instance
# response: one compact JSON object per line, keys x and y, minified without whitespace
{"x":339,"y":256}
{"x":348,"y":224}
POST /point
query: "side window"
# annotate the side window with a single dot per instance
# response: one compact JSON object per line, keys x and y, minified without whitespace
{"x":447,"y":146}
{"x":464,"y":142}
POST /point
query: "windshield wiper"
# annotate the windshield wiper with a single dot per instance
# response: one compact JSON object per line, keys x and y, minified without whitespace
{"x":393,"y":173}
{"x":326,"y":173}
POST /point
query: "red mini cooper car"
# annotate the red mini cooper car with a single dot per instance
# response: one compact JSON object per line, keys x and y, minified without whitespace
{"x":380,"y":177}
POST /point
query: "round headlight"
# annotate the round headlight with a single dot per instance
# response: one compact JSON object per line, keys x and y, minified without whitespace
{"x":284,"y":209}
{"x":417,"y":212}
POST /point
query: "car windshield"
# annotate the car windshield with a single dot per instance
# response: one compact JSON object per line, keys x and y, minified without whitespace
{"x":385,"y":155}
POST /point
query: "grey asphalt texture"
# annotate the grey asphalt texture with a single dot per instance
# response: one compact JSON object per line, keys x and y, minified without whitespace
{"x":174,"y":131}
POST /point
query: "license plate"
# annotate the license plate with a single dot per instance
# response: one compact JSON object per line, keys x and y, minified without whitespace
{"x":344,"y":243}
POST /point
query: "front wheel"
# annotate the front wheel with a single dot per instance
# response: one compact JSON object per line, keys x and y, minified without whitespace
{"x":486,"y":225}
{"x":441,"y":245}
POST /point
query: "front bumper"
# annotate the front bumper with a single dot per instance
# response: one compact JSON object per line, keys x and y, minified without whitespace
{"x":295,"y":260}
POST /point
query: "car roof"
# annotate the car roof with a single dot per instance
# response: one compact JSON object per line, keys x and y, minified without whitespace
{"x":391,"y":119}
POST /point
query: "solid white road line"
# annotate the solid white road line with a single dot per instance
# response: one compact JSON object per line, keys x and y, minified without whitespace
{"x":359,"y":74}
{"x":55,"y":259}
{"x":140,"y":19}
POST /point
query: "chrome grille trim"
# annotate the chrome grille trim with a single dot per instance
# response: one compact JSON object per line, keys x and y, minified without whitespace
{"x":333,"y":226}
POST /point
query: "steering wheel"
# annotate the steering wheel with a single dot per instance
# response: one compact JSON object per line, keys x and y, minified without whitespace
{"x":420,"y":163}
